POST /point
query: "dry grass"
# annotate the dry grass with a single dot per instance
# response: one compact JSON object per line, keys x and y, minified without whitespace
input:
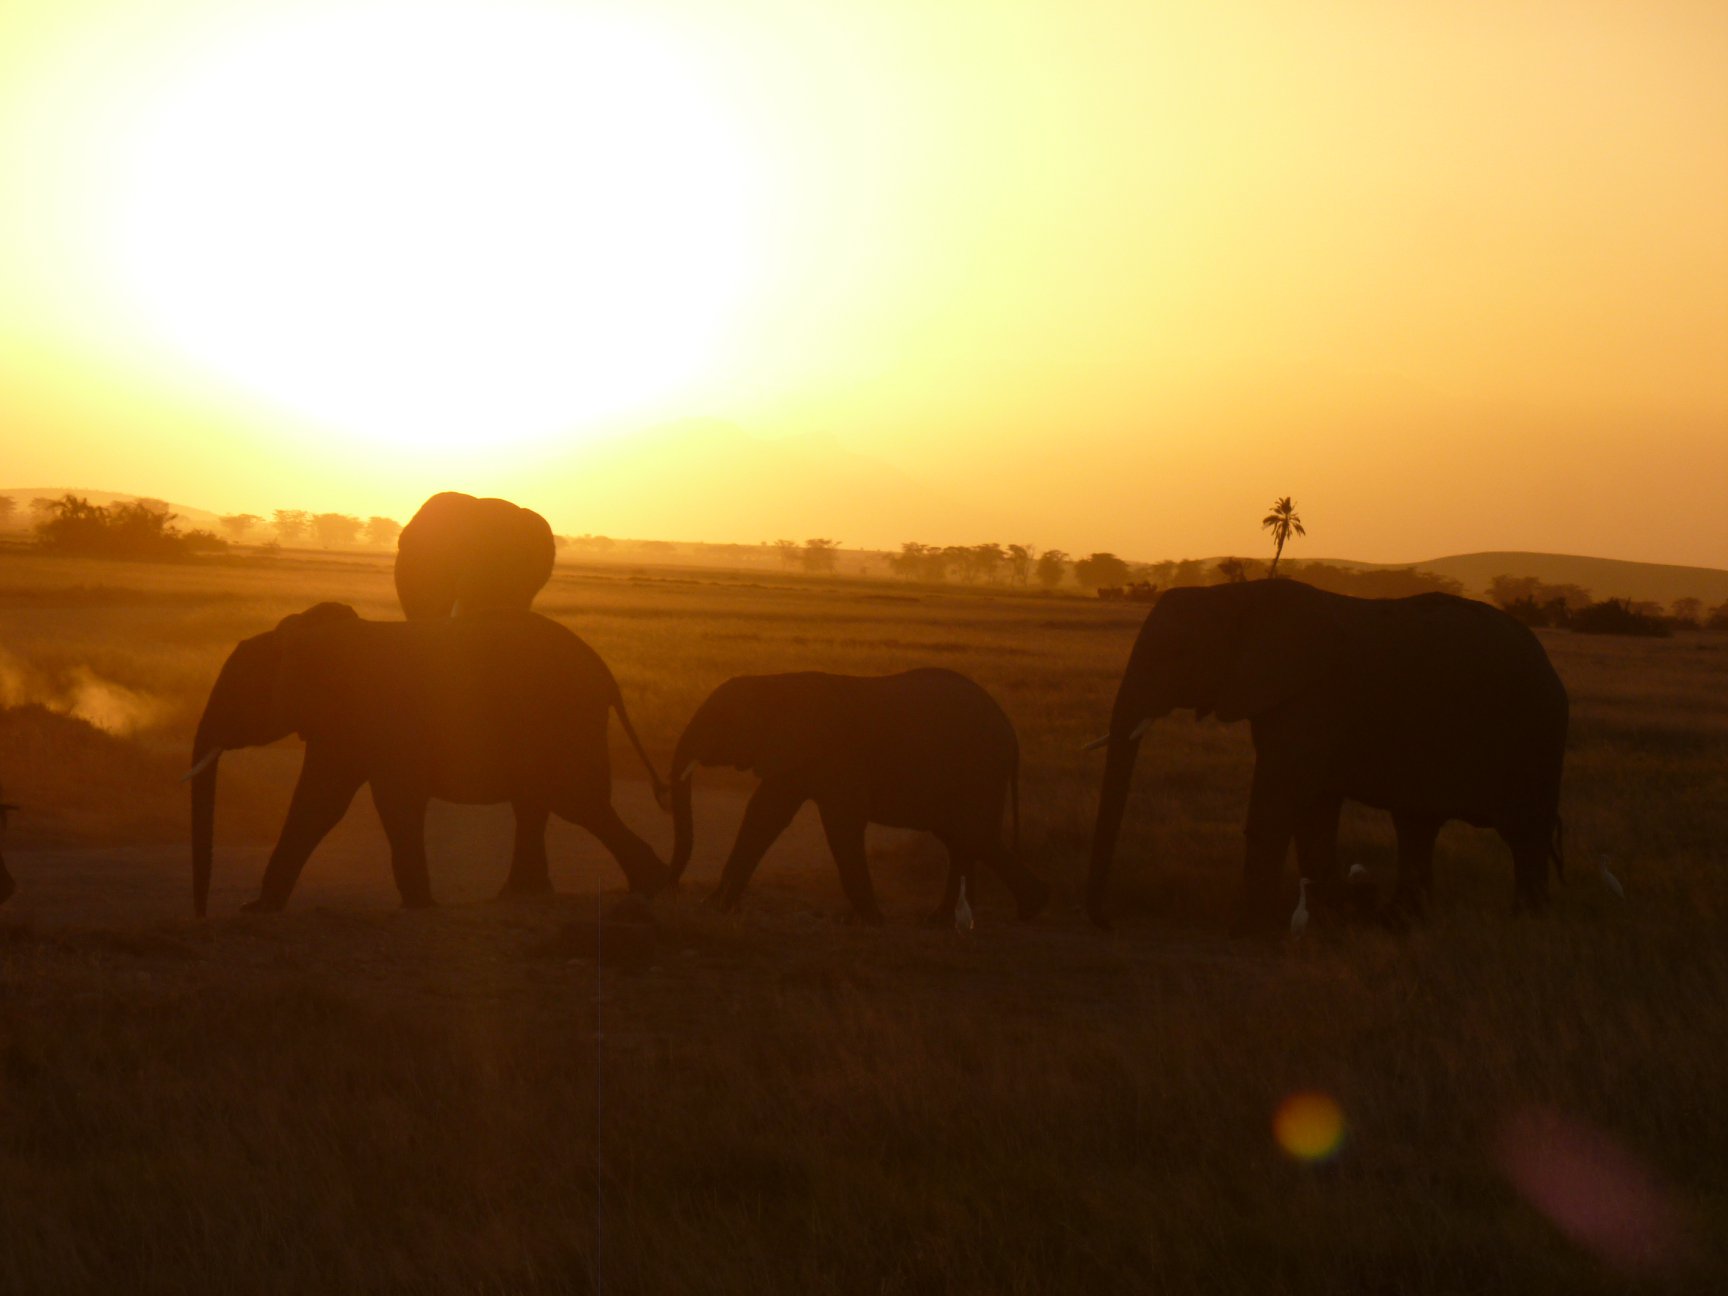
{"x":351,"y":1098}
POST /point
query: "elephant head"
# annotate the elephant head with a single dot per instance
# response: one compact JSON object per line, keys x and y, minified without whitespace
{"x":749,"y":723}
{"x":259,"y":697}
{"x":1232,"y":650}
{"x":459,"y":553}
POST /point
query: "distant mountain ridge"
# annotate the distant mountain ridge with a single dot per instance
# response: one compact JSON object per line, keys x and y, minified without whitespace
{"x":1603,"y":577}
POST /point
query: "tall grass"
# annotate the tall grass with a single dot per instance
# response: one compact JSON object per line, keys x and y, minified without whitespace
{"x":466,"y":1101}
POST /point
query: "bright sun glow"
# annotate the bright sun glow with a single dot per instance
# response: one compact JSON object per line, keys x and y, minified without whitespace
{"x":440,"y":225}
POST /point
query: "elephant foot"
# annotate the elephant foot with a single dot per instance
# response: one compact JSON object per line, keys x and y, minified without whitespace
{"x":419,"y":902}
{"x":1099,"y":918}
{"x":263,"y":905}
{"x":537,"y":885}
{"x":721,"y":902}
{"x":865,"y":918}
{"x":940,"y":916}
{"x":1033,"y":897}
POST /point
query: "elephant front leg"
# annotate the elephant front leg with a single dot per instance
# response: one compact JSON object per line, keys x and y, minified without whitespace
{"x":322,"y":795}
{"x":771,"y":808}
{"x":843,"y":821}
{"x":1274,"y":807}
{"x":402,"y":809}
{"x":1416,"y":836}
{"x":530,"y":874}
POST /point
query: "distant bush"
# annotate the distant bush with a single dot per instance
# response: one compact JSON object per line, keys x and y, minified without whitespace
{"x":1621,"y":617}
{"x":143,"y":529}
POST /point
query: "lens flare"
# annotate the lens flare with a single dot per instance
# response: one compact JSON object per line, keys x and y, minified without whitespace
{"x":1309,"y":1127}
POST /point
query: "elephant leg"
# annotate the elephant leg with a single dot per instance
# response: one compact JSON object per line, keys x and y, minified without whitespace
{"x":1416,"y":836}
{"x":961,"y":864}
{"x":1316,"y":837}
{"x":529,"y":871}
{"x":1277,"y":800}
{"x":771,"y":808}
{"x":843,"y":822}
{"x":402,"y":811}
{"x":643,"y":869}
{"x":1031,"y":892}
{"x":1529,"y":867}
{"x":321,"y":797}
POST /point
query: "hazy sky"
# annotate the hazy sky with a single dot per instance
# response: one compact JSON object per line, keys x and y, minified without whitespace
{"x":1453,"y":274}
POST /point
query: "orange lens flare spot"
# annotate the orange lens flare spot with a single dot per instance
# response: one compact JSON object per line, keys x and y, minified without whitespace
{"x":1309,"y":1126}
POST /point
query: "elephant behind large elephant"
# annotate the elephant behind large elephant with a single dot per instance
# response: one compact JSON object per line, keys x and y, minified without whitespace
{"x":481,"y":709}
{"x":460,"y":553}
{"x":1433,"y":707}
{"x":925,"y":749}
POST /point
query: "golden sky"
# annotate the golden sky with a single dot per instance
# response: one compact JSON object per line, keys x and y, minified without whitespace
{"x":1453,"y":274}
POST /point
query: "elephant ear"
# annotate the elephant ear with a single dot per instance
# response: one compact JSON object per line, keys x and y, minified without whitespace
{"x":1287,"y":642}
{"x":310,"y":685}
{"x":791,"y":729}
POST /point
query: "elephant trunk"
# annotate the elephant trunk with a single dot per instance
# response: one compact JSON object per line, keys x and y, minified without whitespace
{"x":1124,"y":748}
{"x":205,"y":758}
{"x":683,"y":825}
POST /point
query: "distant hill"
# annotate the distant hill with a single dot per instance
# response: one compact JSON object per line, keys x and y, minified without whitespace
{"x":1603,"y":577}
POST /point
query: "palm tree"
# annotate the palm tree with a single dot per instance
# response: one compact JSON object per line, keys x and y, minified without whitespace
{"x":1283,"y":523}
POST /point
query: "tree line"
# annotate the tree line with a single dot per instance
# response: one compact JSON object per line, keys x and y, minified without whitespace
{"x":1571,"y":607}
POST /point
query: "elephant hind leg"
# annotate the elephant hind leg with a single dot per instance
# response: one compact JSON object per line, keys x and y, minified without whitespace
{"x":1031,"y":892}
{"x":530,"y":873}
{"x":643,"y":869}
{"x":1416,"y":836}
{"x":844,"y":826}
{"x":1530,"y":848}
{"x":962,"y":864}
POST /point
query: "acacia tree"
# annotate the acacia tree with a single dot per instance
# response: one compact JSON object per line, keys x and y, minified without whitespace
{"x":382,"y":531}
{"x":1052,"y":564}
{"x":1283,"y":523}
{"x":238,"y":524}
{"x":788,"y":552}
{"x":820,"y":555}
{"x":1100,"y":569}
{"x":8,"y":506}
{"x":333,"y":529}
{"x":291,"y":524}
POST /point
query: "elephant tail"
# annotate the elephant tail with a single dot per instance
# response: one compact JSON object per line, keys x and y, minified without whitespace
{"x":1014,"y":800}
{"x":661,"y":796}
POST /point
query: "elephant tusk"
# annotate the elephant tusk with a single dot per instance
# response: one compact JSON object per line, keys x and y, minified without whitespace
{"x":1133,"y":736}
{"x":689,"y":769}
{"x":1609,"y":880}
{"x":201,"y":766}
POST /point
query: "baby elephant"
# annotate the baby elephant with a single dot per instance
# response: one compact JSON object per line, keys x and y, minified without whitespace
{"x":925,"y":749}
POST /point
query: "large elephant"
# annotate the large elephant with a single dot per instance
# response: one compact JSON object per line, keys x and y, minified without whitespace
{"x":925,"y":749}
{"x":462,"y":554}
{"x":1433,"y":707}
{"x":481,"y":709}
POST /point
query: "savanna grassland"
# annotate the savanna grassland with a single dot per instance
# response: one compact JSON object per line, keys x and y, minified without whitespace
{"x":509,"y":1096}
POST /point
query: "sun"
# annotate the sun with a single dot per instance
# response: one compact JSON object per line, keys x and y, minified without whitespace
{"x":439,"y":226}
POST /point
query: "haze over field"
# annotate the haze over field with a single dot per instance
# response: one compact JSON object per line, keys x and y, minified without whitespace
{"x":1100,"y":276}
